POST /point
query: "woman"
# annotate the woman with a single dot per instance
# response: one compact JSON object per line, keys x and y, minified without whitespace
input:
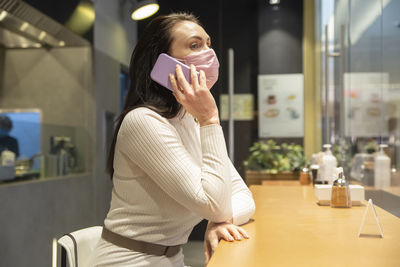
{"x":169,"y":170}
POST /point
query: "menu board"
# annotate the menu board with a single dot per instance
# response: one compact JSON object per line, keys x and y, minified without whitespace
{"x":281,"y":105}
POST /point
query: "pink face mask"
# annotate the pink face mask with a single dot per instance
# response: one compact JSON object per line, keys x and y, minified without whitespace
{"x":206,"y":61}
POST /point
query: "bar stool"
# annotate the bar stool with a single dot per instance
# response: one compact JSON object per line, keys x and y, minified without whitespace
{"x":77,"y":246}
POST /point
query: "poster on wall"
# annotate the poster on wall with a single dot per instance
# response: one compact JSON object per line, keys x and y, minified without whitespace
{"x":281,"y":105}
{"x":243,"y":109}
{"x":368,"y":106}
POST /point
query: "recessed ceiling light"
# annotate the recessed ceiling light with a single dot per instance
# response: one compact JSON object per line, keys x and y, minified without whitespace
{"x":42,"y":34}
{"x":24,"y":26}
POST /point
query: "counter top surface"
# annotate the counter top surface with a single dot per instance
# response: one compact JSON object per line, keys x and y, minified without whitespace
{"x":291,"y":229}
{"x":395,"y":190}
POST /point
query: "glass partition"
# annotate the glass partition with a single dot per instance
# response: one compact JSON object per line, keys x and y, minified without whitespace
{"x":360,"y":91}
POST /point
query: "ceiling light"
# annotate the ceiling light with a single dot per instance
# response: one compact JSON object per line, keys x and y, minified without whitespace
{"x":82,"y":19}
{"x":42,"y":35}
{"x":3,"y":14}
{"x":274,"y":2}
{"x":24,"y":26}
{"x":144,"y":9}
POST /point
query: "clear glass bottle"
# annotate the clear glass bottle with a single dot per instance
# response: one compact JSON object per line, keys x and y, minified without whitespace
{"x":340,"y":191}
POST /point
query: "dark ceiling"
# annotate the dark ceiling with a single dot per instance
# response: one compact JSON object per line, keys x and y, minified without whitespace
{"x":59,"y":10}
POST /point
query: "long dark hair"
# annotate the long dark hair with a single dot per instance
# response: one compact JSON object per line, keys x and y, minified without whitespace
{"x":143,"y":91}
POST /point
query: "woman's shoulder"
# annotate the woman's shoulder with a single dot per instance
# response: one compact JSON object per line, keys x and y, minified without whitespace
{"x":142,"y":117}
{"x":144,"y":124}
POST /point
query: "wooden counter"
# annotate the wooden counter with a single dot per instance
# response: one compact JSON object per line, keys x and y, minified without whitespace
{"x":290,"y":229}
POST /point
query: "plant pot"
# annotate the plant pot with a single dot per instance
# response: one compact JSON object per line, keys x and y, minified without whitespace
{"x":256,"y":177}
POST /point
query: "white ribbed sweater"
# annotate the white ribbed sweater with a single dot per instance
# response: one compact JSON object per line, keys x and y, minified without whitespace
{"x":169,"y":174}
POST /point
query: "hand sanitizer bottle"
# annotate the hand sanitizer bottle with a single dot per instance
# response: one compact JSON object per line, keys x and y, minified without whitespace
{"x":382,"y":173}
{"x":329,"y":164}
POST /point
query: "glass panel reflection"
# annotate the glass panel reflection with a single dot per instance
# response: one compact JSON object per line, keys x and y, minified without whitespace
{"x":20,"y":144}
{"x":363,"y":103}
{"x":30,"y":149}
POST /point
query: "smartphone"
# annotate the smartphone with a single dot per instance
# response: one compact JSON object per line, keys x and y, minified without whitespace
{"x":165,"y":65}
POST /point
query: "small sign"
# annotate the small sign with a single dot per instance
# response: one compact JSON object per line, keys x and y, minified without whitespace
{"x":370,"y":205}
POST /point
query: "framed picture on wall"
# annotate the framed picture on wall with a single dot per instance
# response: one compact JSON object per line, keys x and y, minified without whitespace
{"x":281,"y":105}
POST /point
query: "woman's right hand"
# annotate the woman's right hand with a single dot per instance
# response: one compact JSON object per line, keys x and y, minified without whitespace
{"x":217,"y":231}
{"x":196,"y":98}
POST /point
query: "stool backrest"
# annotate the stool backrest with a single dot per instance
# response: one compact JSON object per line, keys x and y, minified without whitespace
{"x":79,"y":245}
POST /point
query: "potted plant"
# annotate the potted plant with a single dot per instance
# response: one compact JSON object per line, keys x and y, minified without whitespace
{"x":270,"y":161}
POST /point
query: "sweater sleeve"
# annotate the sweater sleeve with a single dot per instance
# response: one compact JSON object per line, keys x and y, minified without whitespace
{"x":243,"y":206}
{"x":153,"y":144}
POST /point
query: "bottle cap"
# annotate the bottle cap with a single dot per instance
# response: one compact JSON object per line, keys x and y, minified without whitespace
{"x":341,"y":180}
{"x":314,"y":166}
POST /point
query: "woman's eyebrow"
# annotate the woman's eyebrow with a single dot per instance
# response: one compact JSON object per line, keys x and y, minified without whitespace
{"x":200,"y":38}
{"x":196,"y":37}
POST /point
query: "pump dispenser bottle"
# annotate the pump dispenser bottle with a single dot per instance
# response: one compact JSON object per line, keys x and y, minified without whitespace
{"x":340,"y":191}
{"x":382,"y":172}
{"x":328,"y":166}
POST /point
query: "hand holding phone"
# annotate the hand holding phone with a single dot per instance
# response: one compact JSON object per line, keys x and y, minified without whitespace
{"x":165,"y":65}
{"x":202,"y":104}
{"x":196,"y":98}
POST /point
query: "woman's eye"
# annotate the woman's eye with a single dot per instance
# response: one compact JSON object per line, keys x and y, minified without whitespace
{"x":194,"y":46}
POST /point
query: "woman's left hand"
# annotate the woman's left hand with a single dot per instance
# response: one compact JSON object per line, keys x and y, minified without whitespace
{"x":217,"y":231}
